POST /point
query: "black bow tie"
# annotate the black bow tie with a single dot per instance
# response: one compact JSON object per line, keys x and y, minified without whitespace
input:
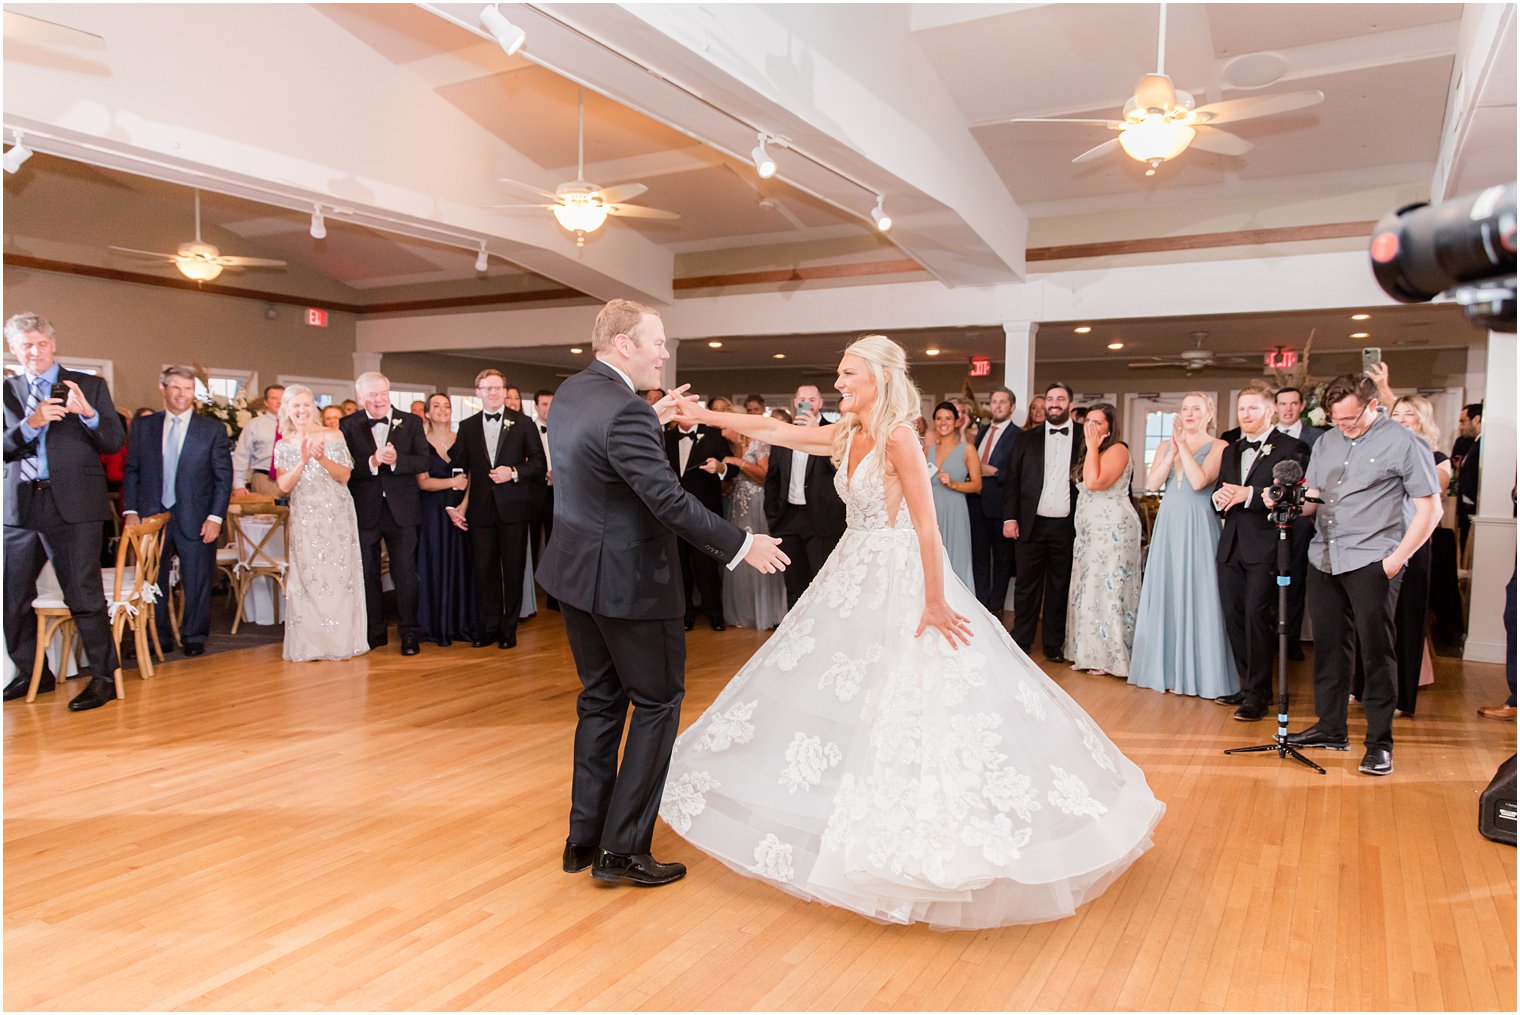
{"x":493,"y":416}
{"x":542,"y":428}
{"x":376,"y":422}
{"x":689,"y":436}
{"x":1058,"y":430}
{"x":1246,"y":445}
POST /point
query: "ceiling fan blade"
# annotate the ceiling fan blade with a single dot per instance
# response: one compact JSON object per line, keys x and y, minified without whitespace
{"x":25,"y":28}
{"x":528,"y":187}
{"x":1231,"y":110}
{"x":1097,"y":153}
{"x":1155,"y":91}
{"x":621,"y":193}
{"x":638,"y":211}
{"x":1220,"y":142}
{"x":230,"y":261}
{"x":1157,"y":363}
{"x":145,"y":253}
{"x":518,"y":207}
{"x":1110,"y":124}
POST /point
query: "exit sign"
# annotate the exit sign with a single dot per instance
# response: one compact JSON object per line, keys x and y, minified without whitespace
{"x":316,"y":318}
{"x":1281,"y":358}
{"x":981,"y":366}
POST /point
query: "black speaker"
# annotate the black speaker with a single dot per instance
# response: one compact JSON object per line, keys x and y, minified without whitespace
{"x":1496,"y":807}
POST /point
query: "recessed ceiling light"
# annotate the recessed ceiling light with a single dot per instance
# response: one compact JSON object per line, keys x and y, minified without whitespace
{"x":931,"y":352}
{"x":1116,"y":345}
{"x":715,"y":345}
{"x":1082,"y":330}
{"x":577,"y":350}
{"x":778,"y":355}
{"x":1360,"y":334}
{"x":1360,"y":317}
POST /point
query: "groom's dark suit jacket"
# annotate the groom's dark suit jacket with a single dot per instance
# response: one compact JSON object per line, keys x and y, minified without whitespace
{"x":618,"y":507}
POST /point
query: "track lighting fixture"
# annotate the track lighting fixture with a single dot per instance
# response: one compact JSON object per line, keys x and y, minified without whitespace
{"x":318,"y":223}
{"x":879,"y":214}
{"x":764,"y":164}
{"x":483,"y":260}
{"x":506,"y":34}
{"x":18,"y":154}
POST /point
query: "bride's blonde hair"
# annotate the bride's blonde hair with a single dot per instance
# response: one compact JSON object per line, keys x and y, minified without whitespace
{"x":897,"y":399}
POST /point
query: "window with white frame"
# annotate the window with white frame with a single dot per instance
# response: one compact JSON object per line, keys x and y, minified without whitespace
{"x":228,"y":384}
{"x":403,"y":394}
{"x":464,"y":402}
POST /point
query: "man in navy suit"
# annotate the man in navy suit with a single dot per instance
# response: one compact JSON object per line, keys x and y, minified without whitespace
{"x":179,"y":461}
{"x":991,"y":551}
{"x":58,"y":422}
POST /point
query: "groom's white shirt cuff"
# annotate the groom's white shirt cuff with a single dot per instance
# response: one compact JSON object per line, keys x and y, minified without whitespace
{"x":749,"y":537}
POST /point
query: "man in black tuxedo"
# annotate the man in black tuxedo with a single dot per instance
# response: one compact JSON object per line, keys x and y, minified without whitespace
{"x":801,"y":505}
{"x":991,"y":551}
{"x":389,"y":450}
{"x":1290,"y":420}
{"x":542,"y":525}
{"x":179,"y":461}
{"x":619,"y":510}
{"x":1039,"y":504}
{"x":1247,"y":555}
{"x":58,"y":423}
{"x":499,"y":450}
{"x":696,"y":454}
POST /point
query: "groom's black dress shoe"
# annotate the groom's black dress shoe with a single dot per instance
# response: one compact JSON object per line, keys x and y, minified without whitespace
{"x":17,"y":687}
{"x":96,"y":694}
{"x":642,"y":869}
{"x":482,"y":641}
{"x":1238,"y":698}
{"x":577,"y":857}
{"x":689,"y":623}
{"x":1318,"y":736}
{"x":717,"y":625}
{"x":409,"y":646}
{"x":1377,"y":761}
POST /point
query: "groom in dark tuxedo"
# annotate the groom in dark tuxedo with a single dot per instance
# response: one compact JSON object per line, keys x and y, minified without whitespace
{"x":179,"y":461}
{"x":1247,"y":555}
{"x":611,"y":563}
{"x":389,"y":450}
{"x":1039,"y":505}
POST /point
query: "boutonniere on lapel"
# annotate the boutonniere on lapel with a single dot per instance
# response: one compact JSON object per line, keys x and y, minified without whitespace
{"x":507,"y":423}
{"x":1266,"y":449}
{"x":396,"y":424}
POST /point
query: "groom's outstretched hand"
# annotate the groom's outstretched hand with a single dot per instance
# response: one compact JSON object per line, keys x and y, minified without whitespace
{"x":667,"y":408}
{"x":765,"y":555}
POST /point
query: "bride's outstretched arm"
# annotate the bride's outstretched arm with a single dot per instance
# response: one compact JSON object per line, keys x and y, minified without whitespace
{"x":907,"y":459}
{"x":815,"y":440}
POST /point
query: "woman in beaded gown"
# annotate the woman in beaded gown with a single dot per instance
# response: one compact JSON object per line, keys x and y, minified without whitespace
{"x":890,"y":750}
{"x":750,"y":599}
{"x":324,"y":581}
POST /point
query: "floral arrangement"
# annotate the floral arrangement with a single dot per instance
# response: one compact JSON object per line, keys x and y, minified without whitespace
{"x":233,"y":415}
{"x":1297,"y":376}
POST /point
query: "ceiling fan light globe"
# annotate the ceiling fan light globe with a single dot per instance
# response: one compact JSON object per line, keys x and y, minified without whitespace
{"x":580,"y":216}
{"x":197,"y":269}
{"x":1156,"y":139}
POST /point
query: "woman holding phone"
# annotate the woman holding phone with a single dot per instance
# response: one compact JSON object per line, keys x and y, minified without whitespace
{"x":445,"y":578}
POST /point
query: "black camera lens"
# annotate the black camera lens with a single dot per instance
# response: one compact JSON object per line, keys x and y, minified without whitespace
{"x":1421,"y":250}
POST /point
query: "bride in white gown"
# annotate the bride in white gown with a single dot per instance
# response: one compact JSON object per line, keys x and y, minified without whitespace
{"x":890,"y":750}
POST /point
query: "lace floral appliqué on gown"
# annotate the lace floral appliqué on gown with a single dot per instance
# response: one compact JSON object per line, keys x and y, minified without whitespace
{"x":324,"y":585}
{"x":853,"y":764}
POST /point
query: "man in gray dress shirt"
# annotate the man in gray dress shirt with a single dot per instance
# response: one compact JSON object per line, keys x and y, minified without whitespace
{"x":1380,"y":503}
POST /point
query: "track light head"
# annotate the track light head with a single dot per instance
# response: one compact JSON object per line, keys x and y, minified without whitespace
{"x":483,"y":260}
{"x":318,"y":224}
{"x":18,"y":154}
{"x":764,"y":164}
{"x":879,"y":214}
{"x":506,"y":34}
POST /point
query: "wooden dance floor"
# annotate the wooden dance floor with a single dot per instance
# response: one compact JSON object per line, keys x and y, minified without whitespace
{"x":241,"y":833}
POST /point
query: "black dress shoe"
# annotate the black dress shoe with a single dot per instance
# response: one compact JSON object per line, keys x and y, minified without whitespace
{"x":1058,"y":658}
{"x":17,"y":687}
{"x":482,"y":641}
{"x":95,"y":694}
{"x":717,"y":625}
{"x":409,"y":647}
{"x":375,"y":643}
{"x":1319,"y":736}
{"x":1238,"y":698}
{"x":194,"y":648}
{"x":1251,"y":711}
{"x":642,"y":869}
{"x":689,"y":623}
{"x":443,"y":642}
{"x":1377,"y":761}
{"x":577,"y":857}
{"x":510,"y":641}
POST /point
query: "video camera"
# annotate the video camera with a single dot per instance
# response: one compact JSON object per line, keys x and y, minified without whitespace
{"x":1464,"y":248}
{"x":1288,"y":493}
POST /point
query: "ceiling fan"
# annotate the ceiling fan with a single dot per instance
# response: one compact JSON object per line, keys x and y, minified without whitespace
{"x":582,"y":207}
{"x":200,"y":260}
{"x":1160,"y":121}
{"x":1194,"y":359}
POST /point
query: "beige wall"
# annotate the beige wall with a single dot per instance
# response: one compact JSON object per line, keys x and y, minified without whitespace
{"x":440,"y":373}
{"x":141,"y":328}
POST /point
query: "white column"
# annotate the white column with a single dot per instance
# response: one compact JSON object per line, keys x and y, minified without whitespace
{"x":1494,"y":523}
{"x":1018,"y":363}
{"x":668,"y":371}
{"x":365,"y":362}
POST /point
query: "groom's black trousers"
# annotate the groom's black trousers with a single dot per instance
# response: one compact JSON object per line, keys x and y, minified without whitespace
{"x":642,"y":662}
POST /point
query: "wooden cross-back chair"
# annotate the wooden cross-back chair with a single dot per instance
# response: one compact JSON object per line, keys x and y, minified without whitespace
{"x":255,"y":556}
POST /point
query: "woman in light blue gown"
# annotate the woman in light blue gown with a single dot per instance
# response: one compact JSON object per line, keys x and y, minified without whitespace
{"x":954,"y":473}
{"x":1180,"y":639}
